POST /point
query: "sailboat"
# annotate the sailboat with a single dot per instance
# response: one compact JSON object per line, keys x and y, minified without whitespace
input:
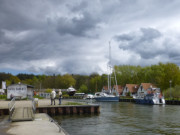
{"x":108,"y":97}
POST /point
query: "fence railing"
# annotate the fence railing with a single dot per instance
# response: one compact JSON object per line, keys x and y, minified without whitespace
{"x":55,"y":122}
{"x":34,"y":105}
{"x":11,"y":106}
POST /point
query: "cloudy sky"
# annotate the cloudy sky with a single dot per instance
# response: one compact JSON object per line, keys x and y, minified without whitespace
{"x":72,"y":36}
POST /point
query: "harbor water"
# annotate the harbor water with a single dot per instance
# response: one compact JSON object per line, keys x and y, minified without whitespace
{"x":121,"y":118}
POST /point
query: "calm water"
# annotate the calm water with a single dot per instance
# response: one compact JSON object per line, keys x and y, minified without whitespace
{"x":125,"y":118}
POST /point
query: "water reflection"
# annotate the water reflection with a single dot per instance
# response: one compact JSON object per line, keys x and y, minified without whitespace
{"x":124,"y":118}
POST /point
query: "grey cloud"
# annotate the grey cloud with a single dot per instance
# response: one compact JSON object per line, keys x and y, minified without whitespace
{"x":77,"y":26}
{"x":78,"y":6}
{"x":124,"y":37}
{"x":143,"y":42}
{"x":149,"y":34}
{"x":65,"y":32}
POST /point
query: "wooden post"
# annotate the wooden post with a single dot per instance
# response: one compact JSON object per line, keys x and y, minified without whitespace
{"x":92,"y":109}
{"x":44,"y":110}
{"x":80,"y":110}
{"x":1,"y":112}
{"x":60,"y":110}
{"x":53,"y":111}
{"x":67,"y":110}
{"x":98,"y":109}
{"x":74,"y":110}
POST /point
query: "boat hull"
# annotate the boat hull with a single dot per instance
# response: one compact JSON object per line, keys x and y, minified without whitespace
{"x":150,"y":102}
{"x":107,"y":99}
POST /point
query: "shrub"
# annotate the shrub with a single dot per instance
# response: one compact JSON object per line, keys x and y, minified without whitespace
{"x":3,"y":96}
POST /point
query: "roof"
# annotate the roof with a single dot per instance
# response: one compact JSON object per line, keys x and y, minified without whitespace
{"x":105,"y":87}
{"x":148,"y":85}
{"x":132,"y":87}
{"x":120,"y":88}
{"x":29,"y":86}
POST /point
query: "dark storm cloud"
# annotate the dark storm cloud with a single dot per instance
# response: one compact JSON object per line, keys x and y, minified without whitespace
{"x":60,"y":36}
{"x":77,"y":26}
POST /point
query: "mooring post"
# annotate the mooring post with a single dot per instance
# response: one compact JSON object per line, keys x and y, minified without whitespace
{"x":44,"y":110}
{"x":67,"y":110}
{"x":60,"y":110}
{"x":53,"y":111}
{"x":74,"y":110}
{"x":80,"y":110}
{"x":92,"y":109}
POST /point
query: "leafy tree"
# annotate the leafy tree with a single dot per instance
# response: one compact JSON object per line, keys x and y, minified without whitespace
{"x":67,"y":81}
{"x":14,"y":79}
{"x":83,"y":89}
{"x":48,"y":90}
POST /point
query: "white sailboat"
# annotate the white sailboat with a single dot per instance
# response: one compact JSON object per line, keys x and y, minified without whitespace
{"x":105,"y":97}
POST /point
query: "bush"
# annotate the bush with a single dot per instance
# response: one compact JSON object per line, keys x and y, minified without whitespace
{"x":65,"y":96}
{"x":174,"y":92}
{"x":48,"y":90}
{"x":3,"y":96}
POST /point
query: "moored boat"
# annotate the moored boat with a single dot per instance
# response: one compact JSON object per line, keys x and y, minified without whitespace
{"x":103,"y":97}
{"x":71,"y":91}
{"x":152,"y":97}
{"x":108,"y":96}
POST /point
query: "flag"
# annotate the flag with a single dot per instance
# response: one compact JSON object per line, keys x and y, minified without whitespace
{"x":3,"y":85}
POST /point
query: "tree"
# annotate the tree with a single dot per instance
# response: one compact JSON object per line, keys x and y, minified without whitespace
{"x":67,"y":81}
{"x":83,"y":88}
{"x":14,"y":79}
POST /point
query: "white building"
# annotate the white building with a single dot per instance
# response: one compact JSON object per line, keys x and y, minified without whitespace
{"x":143,"y":89}
{"x":19,"y":90}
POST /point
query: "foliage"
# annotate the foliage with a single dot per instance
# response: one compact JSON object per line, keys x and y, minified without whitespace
{"x":159,"y":75}
{"x":37,"y":96}
{"x":48,"y":90}
{"x":173,"y":93}
{"x":65,"y":95}
{"x":3,"y":96}
{"x":83,"y":89}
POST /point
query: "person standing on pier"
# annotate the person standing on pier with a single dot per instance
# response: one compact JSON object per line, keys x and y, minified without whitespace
{"x":53,"y":96}
{"x":60,"y":95}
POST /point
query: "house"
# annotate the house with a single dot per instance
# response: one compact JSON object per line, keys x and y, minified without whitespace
{"x":19,"y":90}
{"x":105,"y":89}
{"x":144,"y":88}
{"x":118,"y":89}
{"x":130,"y":89}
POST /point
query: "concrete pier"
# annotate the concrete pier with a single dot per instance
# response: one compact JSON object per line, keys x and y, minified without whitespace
{"x":22,"y":114}
{"x":44,"y":106}
{"x":70,"y":109}
{"x":42,"y":125}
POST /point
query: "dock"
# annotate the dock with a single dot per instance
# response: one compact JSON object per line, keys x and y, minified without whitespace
{"x":22,"y":114}
{"x":42,"y":124}
{"x":30,"y":118}
{"x":44,"y":106}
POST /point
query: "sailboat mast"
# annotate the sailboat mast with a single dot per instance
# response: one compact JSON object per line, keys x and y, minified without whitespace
{"x":109,"y":66}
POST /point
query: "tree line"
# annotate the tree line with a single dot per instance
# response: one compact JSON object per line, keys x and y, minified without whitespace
{"x":159,"y":74}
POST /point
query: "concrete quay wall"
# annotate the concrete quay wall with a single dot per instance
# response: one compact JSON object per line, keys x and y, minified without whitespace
{"x":75,"y":109}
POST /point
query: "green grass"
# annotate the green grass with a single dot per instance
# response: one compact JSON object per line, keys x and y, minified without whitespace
{"x":73,"y":103}
{"x":126,"y":97}
{"x":38,"y":97}
{"x":3,"y":96}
